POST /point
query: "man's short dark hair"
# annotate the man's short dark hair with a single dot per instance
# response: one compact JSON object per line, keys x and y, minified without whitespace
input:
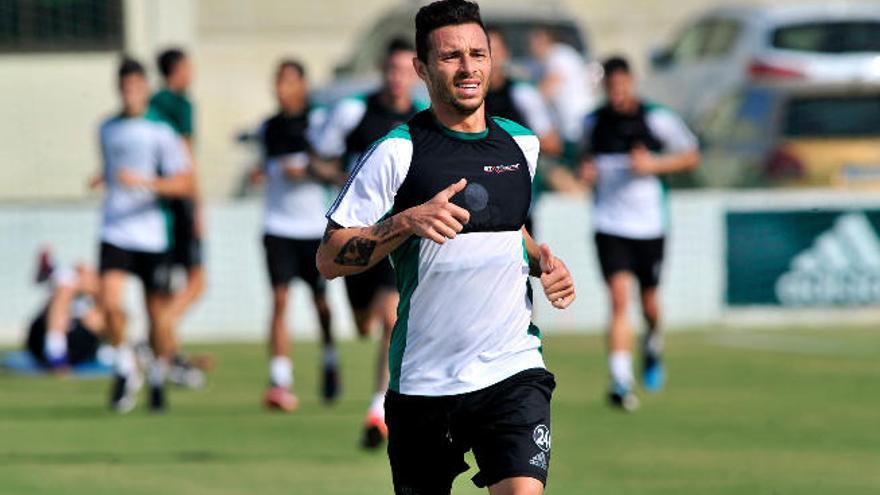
{"x":129,"y":66}
{"x":440,"y":14}
{"x":398,"y":44}
{"x":167,"y":61}
{"x":614,"y":64}
{"x":290,"y":64}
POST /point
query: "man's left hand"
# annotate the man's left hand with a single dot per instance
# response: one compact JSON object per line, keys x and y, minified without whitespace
{"x":556,"y":279}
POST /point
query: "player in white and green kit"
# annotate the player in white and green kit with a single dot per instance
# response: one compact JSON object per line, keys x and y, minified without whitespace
{"x":144,"y":163}
{"x":628,"y":145}
{"x":446,"y":196}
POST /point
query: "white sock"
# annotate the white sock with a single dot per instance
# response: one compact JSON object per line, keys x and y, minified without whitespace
{"x":281,"y":372}
{"x":330,"y":357}
{"x":55,"y":346}
{"x":620,"y":365}
{"x":377,"y":406}
{"x":125,"y":362}
{"x":157,"y":372}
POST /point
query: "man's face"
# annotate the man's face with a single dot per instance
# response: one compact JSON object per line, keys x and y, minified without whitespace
{"x":458,"y":67}
{"x":620,"y":90}
{"x":290,"y":88}
{"x":540,"y":43}
{"x":398,"y":74}
{"x":183,"y":73}
{"x":135,"y":93}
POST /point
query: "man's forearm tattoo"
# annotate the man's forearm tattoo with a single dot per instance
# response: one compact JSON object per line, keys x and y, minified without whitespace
{"x":356,"y":252}
{"x":384,"y":230}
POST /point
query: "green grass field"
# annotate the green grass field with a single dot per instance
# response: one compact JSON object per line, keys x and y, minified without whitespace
{"x":746,"y":412}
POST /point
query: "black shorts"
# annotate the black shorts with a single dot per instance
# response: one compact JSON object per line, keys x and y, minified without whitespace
{"x":153,"y":269}
{"x":363,"y":287}
{"x":287,"y":259}
{"x":507,"y":425}
{"x":186,"y":250}
{"x":641,"y":257}
{"x":82,"y":344}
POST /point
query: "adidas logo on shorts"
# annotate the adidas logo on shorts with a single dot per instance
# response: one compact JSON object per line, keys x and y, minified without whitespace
{"x":539,"y":460}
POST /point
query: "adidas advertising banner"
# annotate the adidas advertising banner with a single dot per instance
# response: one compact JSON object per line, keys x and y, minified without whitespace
{"x":803,"y":258}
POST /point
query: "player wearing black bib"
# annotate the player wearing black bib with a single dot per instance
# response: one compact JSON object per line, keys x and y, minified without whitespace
{"x":446,"y":196}
{"x":521,"y":103}
{"x":352,"y":127}
{"x":628,"y":145}
{"x":292,"y":227}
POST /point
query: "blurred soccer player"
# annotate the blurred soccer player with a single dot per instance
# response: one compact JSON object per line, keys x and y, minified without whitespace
{"x":173,"y":106}
{"x":68,"y":329}
{"x":522,"y":103}
{"x":628,"y":144}
{"x":519,"y":101}
{"x":565,"y":84}
{"x":446,"y":196}
{"x":144,"y":164}
{"x":293,"y":225}
{"x":352,"y":127}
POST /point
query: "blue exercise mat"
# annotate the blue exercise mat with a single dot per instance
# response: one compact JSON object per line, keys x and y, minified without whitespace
{"x":22,"y":363}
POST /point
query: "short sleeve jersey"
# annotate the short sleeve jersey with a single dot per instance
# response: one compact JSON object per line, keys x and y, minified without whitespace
{"x":628,"y":205}
{"x":464,"y":318}
{"x":137,"y":219}
{"x":356,"y":123}
{"x":573,"y":98}
{"x":294,"y":208}
{"x":175,"y":109}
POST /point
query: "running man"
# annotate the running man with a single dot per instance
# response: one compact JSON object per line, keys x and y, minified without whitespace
{"x":446,"y":196}
{"x":293,"y":225}
{"x":521,"y":103}
{"x":565,"y":83}
{"x":353,"y":125}
{"x":174,"y":107}
{"x":628,"y":144}
{"x":144,"y":164}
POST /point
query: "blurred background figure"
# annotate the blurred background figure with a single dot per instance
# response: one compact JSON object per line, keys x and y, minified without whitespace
{"x":293,"y":224}
{"x":68,"y":329}
{"x":352,"y":127}
{"x":628,"y":145}
{"x":172,"y":104}
{"x":521,"y":102}
{"x":144,"y":162}
{"x":566,"y":85}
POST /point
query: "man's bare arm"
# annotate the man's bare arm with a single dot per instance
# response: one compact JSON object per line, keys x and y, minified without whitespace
{"x":347,"y":251}
{"x":555,"y":278}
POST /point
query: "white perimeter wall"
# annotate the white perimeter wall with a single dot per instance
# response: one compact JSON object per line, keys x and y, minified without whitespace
{"x":236,"y":304}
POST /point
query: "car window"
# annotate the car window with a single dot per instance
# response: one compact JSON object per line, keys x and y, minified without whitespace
{"x":829,"y":37}
{"x":690,"y":44}
{"x":833,"y":116}
{"x":370,"y":48}
{"x":740,"y":117}
{"x":722,"y":38}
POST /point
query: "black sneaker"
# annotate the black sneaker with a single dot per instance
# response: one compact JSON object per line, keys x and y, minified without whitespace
{"x":157,"y":399}
{"x":330,"y":383}
{"x":375,"y":432}
{"x":123,"y":392}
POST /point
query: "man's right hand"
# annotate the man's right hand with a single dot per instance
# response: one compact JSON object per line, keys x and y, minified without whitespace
{"x":439,"y":219}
